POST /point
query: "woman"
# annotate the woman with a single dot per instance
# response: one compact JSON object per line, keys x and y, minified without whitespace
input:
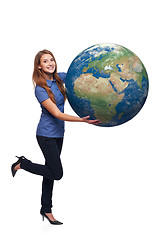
{"x":51,"y":95}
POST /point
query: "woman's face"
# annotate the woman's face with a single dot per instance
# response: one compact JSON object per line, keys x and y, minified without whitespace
{"x":47,"y":63}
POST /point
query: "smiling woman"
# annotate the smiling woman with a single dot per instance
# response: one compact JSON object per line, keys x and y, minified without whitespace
{"x":50,"y":92}
{"x":45,"y":67}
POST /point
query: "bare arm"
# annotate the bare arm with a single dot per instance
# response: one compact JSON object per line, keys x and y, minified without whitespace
{"x":53,"y":109}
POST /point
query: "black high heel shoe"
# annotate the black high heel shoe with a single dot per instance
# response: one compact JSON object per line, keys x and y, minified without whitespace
{"x":20,"y":159}
{"x":52,"y":222}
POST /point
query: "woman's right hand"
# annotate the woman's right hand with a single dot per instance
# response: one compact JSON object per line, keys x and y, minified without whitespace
{"x":86,"y":119}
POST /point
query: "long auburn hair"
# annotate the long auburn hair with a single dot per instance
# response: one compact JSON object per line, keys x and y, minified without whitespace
{"x":39,"y":79}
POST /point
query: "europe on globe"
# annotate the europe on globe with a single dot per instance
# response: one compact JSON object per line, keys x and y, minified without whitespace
{"x":107,"y":82}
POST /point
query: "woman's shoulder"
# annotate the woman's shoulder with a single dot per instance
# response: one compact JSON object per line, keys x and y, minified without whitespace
{"x":40,"y":93}
{"x":37,"y":88}
{"x":62,"y":75}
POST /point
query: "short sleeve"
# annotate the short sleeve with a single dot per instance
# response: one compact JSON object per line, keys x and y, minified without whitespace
{"x":62,"y":75}
{"x":41,"y":94}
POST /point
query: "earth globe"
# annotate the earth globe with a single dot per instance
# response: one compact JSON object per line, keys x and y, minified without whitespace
{"x":107,"y":82}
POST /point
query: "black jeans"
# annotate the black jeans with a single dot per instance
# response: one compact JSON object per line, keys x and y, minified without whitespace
{"x":52,"y":170}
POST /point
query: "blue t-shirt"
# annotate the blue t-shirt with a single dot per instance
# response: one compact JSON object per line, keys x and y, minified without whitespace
{"x":50,"y":126}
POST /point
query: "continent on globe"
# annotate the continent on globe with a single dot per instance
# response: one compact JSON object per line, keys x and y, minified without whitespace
{"x":99,"y":92}
{"x":107,"y":82}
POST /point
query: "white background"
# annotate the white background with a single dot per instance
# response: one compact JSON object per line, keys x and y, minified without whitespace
{"x":110,"y":188}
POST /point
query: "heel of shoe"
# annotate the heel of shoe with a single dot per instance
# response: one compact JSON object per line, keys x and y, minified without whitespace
{"x":42,"y":215}
{"x":20,"y":159}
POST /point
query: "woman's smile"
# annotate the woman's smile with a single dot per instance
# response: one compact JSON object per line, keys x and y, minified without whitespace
{"x":51,"y":67}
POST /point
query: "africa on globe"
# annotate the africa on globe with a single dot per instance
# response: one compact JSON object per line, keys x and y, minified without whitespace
{"x":107,"y":82}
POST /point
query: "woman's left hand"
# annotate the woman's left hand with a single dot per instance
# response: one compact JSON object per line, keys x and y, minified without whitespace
{"x":95,"y":122}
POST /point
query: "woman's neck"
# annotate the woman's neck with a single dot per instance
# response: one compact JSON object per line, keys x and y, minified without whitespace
{"x":48,"y":76}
